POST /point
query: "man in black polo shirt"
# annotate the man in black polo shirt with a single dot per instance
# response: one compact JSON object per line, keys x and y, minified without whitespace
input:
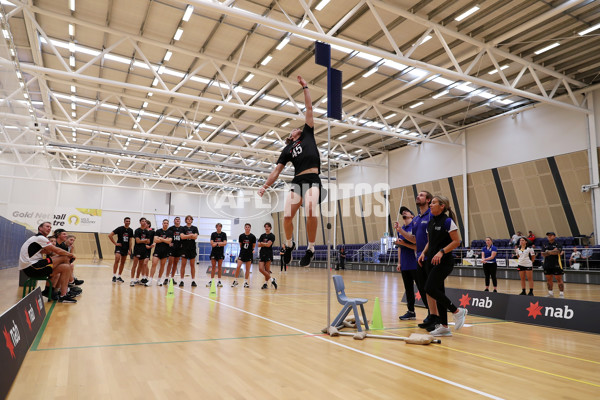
{"x":552,"y":264}
{"x":247,"y":242}
{"x":122,"y":248}
{"x":35,"y":262}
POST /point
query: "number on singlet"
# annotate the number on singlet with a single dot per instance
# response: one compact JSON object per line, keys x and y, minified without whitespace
{"x":246,"y":245}
{"x":296,"y":151}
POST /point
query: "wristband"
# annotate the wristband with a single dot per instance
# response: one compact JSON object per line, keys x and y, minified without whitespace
{"x":442,"y":250}
{"x":304,"y":87}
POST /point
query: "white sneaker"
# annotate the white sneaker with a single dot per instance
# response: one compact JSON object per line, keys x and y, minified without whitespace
{"x":459,"y":318}
{"x":209,"y":283}
{"x":149,"y":283}
{"x":561,"y":295}
{"x":219,"y":284}
{"x":234,"y":284}
{"x":246,"y":285}
{"x":441,"y":330}
{"x":132,"y":283}
{"x":159,"y":283}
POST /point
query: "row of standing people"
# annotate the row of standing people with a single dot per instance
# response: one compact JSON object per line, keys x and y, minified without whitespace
{"x":179,"y":242}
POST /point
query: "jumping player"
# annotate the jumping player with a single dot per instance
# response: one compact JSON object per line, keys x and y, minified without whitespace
{"x":301,"y":150}
{"x":247,"y":242}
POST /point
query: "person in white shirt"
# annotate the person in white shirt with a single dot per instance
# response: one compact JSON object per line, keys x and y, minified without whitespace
{"x":575,"y":256}
{"x":526,"y":257}
{"x":36,"y":262}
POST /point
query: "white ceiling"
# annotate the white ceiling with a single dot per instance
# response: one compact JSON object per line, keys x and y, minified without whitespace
{"x":115,"y":94}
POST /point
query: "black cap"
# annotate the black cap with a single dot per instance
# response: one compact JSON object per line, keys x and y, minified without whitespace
{"x":402,"y":209}
{"x":550,"y":233}
{"x":58,"y":232}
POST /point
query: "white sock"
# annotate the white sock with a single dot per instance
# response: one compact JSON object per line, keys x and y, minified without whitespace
{"x":118,"y":276}
{"x":311,"y":246}
{"x":562,"y":293}
{"x":288,"y":243}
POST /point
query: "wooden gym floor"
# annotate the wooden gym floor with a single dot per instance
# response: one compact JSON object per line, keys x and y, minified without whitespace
{"x":121,"y":342}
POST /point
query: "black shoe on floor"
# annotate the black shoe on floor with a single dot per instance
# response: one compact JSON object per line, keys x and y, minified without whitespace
{"x":78,"y":281}
{"x":274,"y":283}
{"x":194,"y":284}
{"x":180,"y":284}
{"x":166,"y":282}
{"x":114,"y":279}
{"x":305,"y":261}
{"x":522,"y":293}
{"x":265,"y":286}
{"x":287,"y":256}
{"x":120,"y":280}
{"x":66,"y":299}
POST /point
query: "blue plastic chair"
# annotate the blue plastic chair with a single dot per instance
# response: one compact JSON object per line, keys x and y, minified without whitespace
{"x":349,"y":304}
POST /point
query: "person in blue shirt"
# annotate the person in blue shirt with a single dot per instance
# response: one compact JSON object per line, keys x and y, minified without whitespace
{"x":407,"y":263}
{"x":488,"y":258}
{"x":418,"y":236}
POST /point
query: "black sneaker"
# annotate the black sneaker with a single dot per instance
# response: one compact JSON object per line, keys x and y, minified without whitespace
{"x":305,"y":261}
{"x":166,"y":282}
{"x":287,"y":256}
{"x":78,"y":281}
{"x":66,"y":299}
{"x":75,"y":290}
{"x":114,"y":279}
{"x":265,"y":286}
{"x":143,"y":281}
{"x":120,"y":280}
{"x":530,"y":293}
{"x":45,"y":292}
{"x":408,"y":316}
{"x":194,"y":284}
{"x":73,"y":294}
{"x":425,"y":322}
{"x":180,"y":284}
{"x":274,"y":283}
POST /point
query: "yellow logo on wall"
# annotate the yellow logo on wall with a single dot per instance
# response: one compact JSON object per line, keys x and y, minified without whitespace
{"x":94,"y":212}
{"x":73,"y":217}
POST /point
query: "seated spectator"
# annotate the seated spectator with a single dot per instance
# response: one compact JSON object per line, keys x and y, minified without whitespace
{"x":575,"y":256}
{"x":531,"y":237}
{"x":65,"y":242}
{"x":36,"y":263}
{"x":514,"y":240}
{"x":586,"y":253}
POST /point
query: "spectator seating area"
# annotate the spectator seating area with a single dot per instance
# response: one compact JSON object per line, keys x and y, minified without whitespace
{"x":505,"y":251}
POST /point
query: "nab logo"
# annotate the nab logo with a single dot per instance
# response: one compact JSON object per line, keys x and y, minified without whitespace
{"x":465,"y":301}
{"x":535,"y":310}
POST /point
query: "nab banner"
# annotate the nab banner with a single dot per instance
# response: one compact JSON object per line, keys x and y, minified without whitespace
{"x":560,"y":313}
{"x":486,"y":304}
{"x":19,"y":326}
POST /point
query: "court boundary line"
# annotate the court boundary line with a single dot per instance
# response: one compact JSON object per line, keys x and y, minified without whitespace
{"x":406,"y":367}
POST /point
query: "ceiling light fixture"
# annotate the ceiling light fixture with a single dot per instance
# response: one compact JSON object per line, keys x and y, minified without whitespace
{"x":322,"y":5}
{"x":417,"y":104}
{"x":168,"y":55}
{"x":370,"y":72}
{"x":249,"y":78}
{"x":467,"y":13}
{"x":188,"y":13}
{"x":349,"y":85}
{"x":590,"y":29}
{"x":282,"y":44}
{"x":266,"y":60}
{"x":492,"y":72}
{"x":545,"y":49}
{"x":440,"y":94}
{"x":178,"y":34}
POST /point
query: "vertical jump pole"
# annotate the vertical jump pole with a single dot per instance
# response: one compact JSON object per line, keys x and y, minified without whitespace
{"x":334,"y":111}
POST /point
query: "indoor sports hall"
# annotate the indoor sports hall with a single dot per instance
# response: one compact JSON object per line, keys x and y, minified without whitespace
{"x":292,"y":142}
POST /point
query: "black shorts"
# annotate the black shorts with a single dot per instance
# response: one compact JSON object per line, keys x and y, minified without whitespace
{"x":189,"y":254}
{"x":141,"y":253}
{"x":40,"y":269}
{"x":522,"y":268}
{"x":245,"y":257}
{"x":301,"y":184}
{"x":553,"y":270}
{"x":217,"y":256}
{"x":175,"y":252}
{"x":160,"y":254}
{"x":265,"y":257}
{"x":122,"y":250}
